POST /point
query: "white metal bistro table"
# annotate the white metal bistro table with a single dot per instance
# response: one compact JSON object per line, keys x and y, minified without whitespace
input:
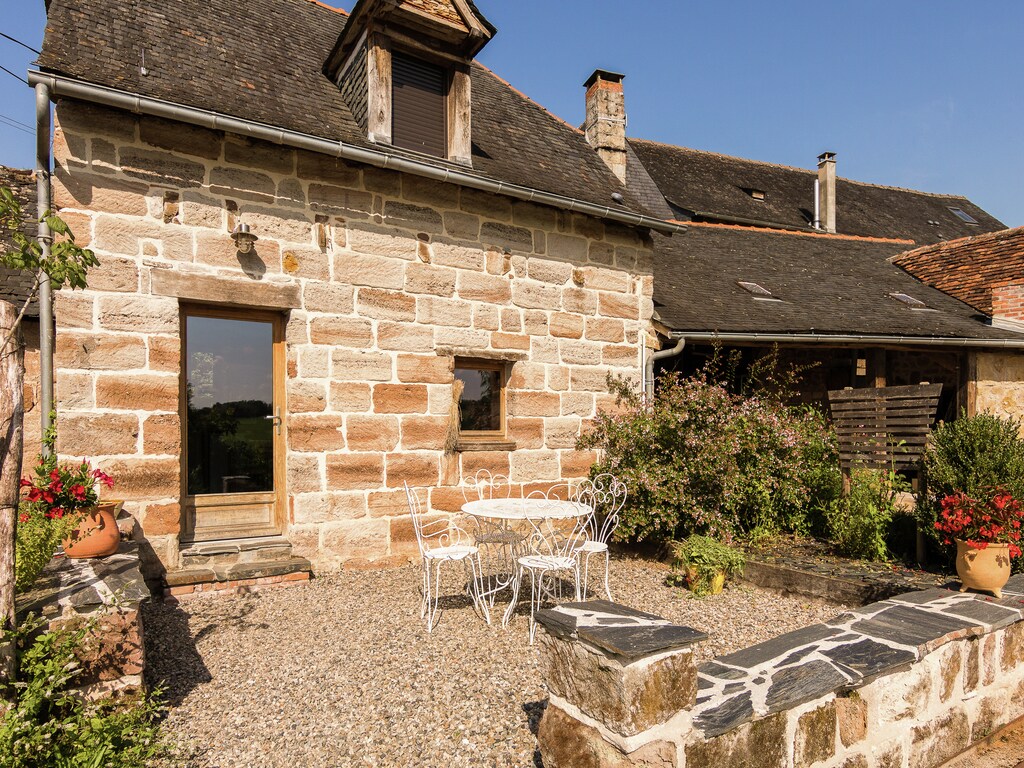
{"x":507,"y":513}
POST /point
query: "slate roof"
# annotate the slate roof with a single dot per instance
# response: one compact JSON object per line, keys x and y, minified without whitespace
{"x":711,"y":186}
{"x":969,"y":268}
{"x":827,"y":284}
{"x":15,"y":284}
{"x":262,"y":61}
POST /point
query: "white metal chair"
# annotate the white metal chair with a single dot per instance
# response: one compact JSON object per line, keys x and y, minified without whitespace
{"x":442,"y":541}
{"x":606,"y":495}
{"x":553,"y":554}
{"x":500,"y":541}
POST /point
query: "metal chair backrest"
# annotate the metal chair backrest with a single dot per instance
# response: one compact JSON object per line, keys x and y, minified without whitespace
{"x":485,"y":485}
{"x":432,"y":534}
{"x":606,"y":494}
{"x":555,"y":536}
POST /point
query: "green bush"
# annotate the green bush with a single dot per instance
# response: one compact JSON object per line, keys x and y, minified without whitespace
{"x":974,"y":455}
{"x":858,"y":525}
{"x":50,"y":726}
{"x":35,"y":542}
{"x":699,"y":459}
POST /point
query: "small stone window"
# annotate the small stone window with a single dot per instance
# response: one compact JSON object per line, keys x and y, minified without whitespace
{"x":482,"y":401}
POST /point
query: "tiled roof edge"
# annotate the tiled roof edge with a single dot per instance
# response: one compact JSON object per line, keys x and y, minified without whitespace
{"x":960,"y":242}
{"x":794,"y":232}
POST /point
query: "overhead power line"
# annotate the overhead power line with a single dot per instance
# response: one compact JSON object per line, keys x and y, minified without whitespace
{"x":16,"y":77}
{"x":15,"y":40}
{"x":12,"y":123}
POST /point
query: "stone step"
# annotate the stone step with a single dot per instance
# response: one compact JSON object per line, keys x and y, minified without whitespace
{"x":237,"y":571}
{"x":207,"y":554}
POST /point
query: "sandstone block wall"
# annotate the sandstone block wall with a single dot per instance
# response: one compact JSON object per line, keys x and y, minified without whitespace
{"x":393,"y":276}
{"x":999,"y":383}
{"x":906,"y":683}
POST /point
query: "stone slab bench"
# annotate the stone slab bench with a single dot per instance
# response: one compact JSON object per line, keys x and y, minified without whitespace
{"x":909,"y":681}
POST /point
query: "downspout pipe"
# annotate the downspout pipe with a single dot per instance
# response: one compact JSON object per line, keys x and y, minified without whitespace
{"x":45,"y":241}
{"x":144,"y":105}
{"x":649,"y":366}
{"x":860,"y":339}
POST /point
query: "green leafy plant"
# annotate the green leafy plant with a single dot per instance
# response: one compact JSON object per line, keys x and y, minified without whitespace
{"x":700,"y":459}
{"x":858,"y":524}
{"x":37,"y":537}
{"x":698,"y":560}
{"x":50,"y":725}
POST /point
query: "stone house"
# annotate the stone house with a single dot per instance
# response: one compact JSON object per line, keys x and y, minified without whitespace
{"x":801,"y":259}
{"x":315,"y":231}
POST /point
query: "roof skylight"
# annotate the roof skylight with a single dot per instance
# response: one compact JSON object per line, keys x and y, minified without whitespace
{"x":759,"y":292}
{"x":961,"y":214}
{"x":909,"y":300}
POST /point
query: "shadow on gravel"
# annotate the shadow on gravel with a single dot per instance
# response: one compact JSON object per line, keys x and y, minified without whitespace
{"x":534,"y":712}
{"x":172,"y":659}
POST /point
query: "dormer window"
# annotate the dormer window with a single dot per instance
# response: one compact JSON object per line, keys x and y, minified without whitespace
{"x":403,"y":68}
{"x":419,"y":119}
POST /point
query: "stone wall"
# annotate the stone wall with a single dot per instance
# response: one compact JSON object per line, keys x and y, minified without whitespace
{"x":999,"y":383}
{"x":387,"y":277}
{"x":906,"y":683}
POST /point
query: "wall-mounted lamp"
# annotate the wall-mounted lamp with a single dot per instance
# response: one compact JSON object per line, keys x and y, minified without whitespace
{"x":244,"y":239}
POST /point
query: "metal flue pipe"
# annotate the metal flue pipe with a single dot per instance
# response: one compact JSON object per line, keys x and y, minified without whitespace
{"x":45,"y":241}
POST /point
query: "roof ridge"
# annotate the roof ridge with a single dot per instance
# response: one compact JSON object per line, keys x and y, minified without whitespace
{"x":809,"y":171}
{"x":329,"y":7}
{"x":984,"y":237}
{"x":796,"y":233}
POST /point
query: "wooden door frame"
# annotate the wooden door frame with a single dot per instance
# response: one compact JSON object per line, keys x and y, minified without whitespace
{"x":278,"y":361}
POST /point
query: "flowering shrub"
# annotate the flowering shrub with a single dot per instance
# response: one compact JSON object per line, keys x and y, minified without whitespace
{"x":64,"y":489}
{"x":701,"y":460}
{"x":994,"y":520}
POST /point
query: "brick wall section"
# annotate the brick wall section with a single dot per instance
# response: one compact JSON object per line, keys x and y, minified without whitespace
{"x":393,"y":270}
{"x":1008,"y":301}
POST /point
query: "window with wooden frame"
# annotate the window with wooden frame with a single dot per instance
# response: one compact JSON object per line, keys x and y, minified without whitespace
{"x":419,"y":105}
{"x":481,"y":400}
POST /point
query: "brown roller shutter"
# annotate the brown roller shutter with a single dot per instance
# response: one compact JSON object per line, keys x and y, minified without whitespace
{"x":419,"y":113}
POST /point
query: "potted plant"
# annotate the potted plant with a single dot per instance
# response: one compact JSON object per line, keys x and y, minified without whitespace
{"x":706,"y":563}
{"x":67,"y":491}
{"x":987,"y":535}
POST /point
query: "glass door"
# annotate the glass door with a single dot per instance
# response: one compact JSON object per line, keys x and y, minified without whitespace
{"x":233,"y":425}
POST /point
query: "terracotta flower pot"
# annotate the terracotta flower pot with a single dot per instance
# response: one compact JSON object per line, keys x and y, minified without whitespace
{"x":96,"y":535}
{"x":986,"y":570}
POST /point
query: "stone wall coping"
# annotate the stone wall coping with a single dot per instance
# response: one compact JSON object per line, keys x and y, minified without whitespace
{"x":68,"y":587}
{"x":844,"y":654}
{"x":221,"y":290}
{"x":621,"y":632}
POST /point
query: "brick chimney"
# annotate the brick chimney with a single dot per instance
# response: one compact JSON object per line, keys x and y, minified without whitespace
{"x":1008,"y":302}
{"x":827,"y":190}
{"x":605,"y":125}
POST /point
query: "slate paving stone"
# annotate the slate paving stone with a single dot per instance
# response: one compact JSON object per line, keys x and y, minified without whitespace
{"x":924,"y":596}
{"x":983,"y":612}
{"x":910,"y":626}
{"x":868,"y":658}
{"x":796,"y":685}
{"x":714,"y":669}
{"x":1015,"y":585}
{"x":794,"y":657}
{"x":734,"y":712}
{"x":757,"y":655}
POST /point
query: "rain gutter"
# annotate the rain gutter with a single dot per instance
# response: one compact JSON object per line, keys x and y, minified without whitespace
{"x":144,"y":105}
{"x":824,"y":338}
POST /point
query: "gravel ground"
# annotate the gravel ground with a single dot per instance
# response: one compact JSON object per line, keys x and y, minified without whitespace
{"x":341,"y":671}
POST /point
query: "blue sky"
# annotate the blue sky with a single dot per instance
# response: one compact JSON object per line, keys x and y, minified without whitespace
{"x":914,"y":93}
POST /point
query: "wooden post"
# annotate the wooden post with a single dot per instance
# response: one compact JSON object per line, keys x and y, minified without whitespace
{"x":12,"y":382}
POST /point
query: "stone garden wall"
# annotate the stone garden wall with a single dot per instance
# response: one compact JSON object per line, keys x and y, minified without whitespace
{"x":1000,"y":383}
{"x":384,"y":279}
{"x":905,"y":683}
